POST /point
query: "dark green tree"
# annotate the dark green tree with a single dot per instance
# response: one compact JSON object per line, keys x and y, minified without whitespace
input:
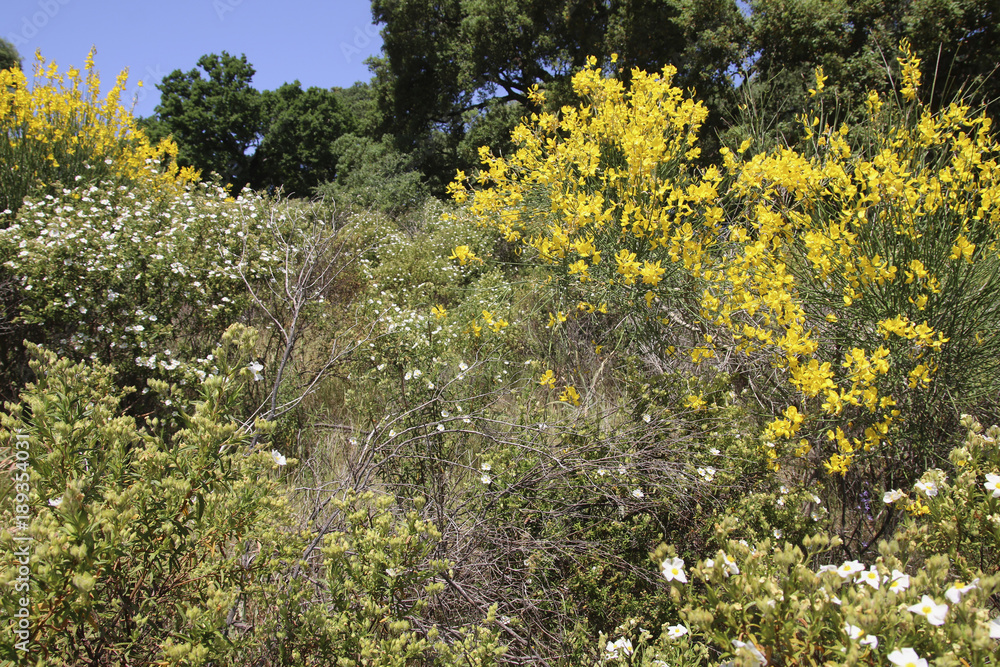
{"x":374,"y":174}
{"x":299,"y":128}
{"x":856,"y":42}
{"x":446,"y":65}
{"x":9,"y":57}
{"x":216,"y":120}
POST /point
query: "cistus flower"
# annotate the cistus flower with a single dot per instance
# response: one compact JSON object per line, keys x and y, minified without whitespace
{"x":676,"y":631}
{"x":906,"y":657}
{"x":850,"y":568}
{"x":760,"y":660}
{"x":673,"y":570}
{"x":619,"y":648}
{"x":993,"y":484}
{"x":958,"y":589}
{"x":931,"y":610}
{"x":278,"y":458}
{"x":900,"y":582}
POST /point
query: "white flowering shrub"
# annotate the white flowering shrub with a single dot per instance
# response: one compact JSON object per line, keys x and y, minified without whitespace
{"x":927,"y":597}
{"x":131,"y":276}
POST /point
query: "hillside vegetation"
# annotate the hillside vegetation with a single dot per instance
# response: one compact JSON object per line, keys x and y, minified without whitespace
{"x":610,"y":403}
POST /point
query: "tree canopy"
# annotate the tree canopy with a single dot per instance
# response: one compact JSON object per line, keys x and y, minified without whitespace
{"x":448,"y":65}
{"x":214,"y":119}
{"x":9,"y":56}
{"x":299,"y":129}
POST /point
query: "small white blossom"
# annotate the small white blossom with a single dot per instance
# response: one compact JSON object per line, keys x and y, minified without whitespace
{"x":892,"y":496}
{"x":673,"y":570}
{"x":850,"y":568}
{"x":900,"y":582}
{"x":676,"y":631}
{"x":618,"y":648}
{"x":993,"y":484}
{"x":870,"y":577}
{"x":278,"y":458}
{"x":759,"y":659}
{"x":906,"y":657}
{"x":931,"y":610}
{"x":958,"y":589}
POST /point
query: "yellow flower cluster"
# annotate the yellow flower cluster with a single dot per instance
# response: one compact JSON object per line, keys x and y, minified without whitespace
{"x":604,"y":175}
{"x":843,"y":261}
{"x":60,"y":127}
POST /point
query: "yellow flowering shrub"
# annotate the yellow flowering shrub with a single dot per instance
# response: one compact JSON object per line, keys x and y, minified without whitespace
{"x":859,"y":265}
{"x":60,"y":129}
{"x":863,"y":264}
{"x":603,"y":194}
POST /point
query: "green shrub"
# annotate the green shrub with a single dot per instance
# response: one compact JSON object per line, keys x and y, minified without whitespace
{"x":140,"y":535}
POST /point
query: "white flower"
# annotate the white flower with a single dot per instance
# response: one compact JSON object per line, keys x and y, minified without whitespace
{"x":906,"y":657}
{"x":957,"y":590}
{"x":826,"y":568}
{"x":416,"y":373}
{"x":929,"y":488}
{"x":900,"y":582}
{"x":440,"y":427}
{"x":255,"y":368}
{"x":638,"y":493}
{"x":673,"y":570}
{"x":850,"y":568}
{"x":278,"y":458}
{"x":647,"y":418}
{"x":462,"y":366}
{"x":870,"y":577}
{"x":892,"y":496}
{"x":676,"y":631}
{"x":55,"y":502}
{"x":485,"y":467}
{"x":933,"y":611}
{"x":853,"y":631}
{"x":408,"y":375}
{"x":777,"y":534}
{"x":730,"y":564}
{"x":486,"y":479}
{"x":993,"y":484}
{"x":619,"y":646}
{"x":870,"y":640}
{"x":995,"y":628}
{"x":715,"y":451}
{"x":754,"y":652}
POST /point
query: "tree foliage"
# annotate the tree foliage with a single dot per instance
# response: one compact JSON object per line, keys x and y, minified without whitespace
{"x":957,"y":41}
{"x":214,"y":119}
{"x":299,"y":128}
{"x":443,"y":60}
{"x":9,"y":56}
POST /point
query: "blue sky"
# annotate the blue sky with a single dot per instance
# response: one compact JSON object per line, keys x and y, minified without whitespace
{"x":319,"y":43}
